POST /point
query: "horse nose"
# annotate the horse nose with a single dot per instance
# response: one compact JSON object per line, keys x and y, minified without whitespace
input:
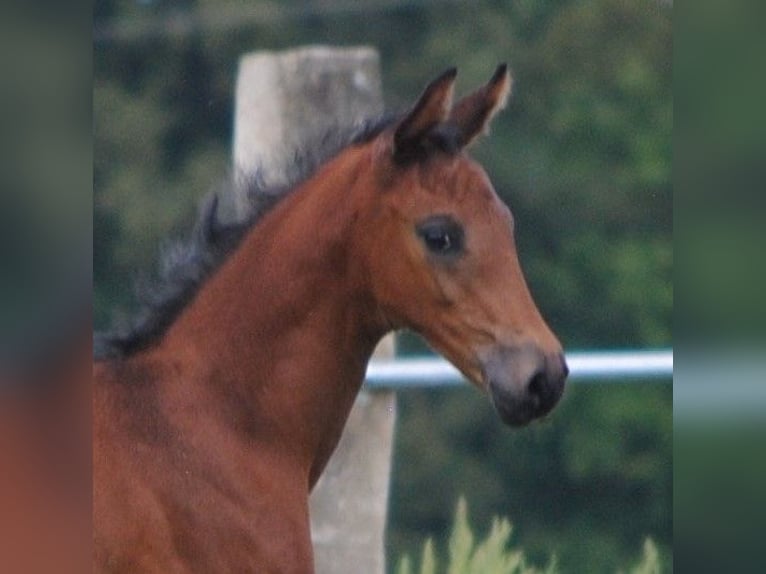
{"x":524,"y":383}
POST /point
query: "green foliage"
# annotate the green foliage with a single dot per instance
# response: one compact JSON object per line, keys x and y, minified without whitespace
{"x":494,"y":555}
{"x":490,"y":556}
{"x":650,"y":560}
{"x":571,"y":480}
{"x":428,"y":564}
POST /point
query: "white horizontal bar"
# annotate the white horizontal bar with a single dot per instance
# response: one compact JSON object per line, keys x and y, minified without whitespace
{"x":614,"y":366}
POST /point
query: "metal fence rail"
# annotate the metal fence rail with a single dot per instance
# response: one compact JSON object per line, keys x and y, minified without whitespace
{"x":601,"y":366}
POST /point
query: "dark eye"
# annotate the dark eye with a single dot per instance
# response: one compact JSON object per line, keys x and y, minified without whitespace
{"x":441,"y":235}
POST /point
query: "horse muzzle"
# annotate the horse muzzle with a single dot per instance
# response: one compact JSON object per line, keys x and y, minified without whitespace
{"x":524,"y":383}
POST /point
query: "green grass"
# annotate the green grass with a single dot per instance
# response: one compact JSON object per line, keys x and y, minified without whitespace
{"x":495,"y":554}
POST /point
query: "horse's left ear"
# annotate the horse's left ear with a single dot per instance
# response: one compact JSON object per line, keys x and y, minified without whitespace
{"x":473,"y":114}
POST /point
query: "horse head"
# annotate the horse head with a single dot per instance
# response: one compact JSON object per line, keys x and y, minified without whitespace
{"x":443,"y":259}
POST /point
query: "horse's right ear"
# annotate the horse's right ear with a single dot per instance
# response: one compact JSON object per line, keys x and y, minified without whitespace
{"x":432,"y":109}
{"x":473,"y":114}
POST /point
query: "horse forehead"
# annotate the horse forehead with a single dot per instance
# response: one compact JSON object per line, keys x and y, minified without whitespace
{"x":460,"y":178}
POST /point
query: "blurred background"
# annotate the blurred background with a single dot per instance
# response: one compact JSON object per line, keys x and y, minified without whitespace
{"x":583,"y":157}
{"x":719,"y":211}
{"x":45,"y":286}
{"x":45,"y":179}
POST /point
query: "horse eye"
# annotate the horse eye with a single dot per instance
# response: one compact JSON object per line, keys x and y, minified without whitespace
{"x":441,"y":235}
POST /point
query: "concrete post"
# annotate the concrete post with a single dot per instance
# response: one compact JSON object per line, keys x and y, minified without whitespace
{"x":282,"y":99}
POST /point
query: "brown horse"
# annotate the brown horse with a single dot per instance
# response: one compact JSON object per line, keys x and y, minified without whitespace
{"x":215,"y":416}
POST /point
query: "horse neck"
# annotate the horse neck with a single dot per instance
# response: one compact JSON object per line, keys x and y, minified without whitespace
{"x":284,"y":330}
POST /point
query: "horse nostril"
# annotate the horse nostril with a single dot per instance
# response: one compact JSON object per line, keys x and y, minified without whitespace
{"x":537,"y":387}
{"x":546,"y":385}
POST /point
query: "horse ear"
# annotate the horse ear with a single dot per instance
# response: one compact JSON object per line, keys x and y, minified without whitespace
{"x":473,"y":114}
{"x":432,"y":109}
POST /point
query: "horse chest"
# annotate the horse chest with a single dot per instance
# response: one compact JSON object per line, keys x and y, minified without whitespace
{"x":171,"y":514}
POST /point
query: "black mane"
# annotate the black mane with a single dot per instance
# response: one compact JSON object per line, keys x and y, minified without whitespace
{"x":185,"y":265}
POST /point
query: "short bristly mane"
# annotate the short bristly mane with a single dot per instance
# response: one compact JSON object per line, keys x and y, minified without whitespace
{"x":185,"y":265}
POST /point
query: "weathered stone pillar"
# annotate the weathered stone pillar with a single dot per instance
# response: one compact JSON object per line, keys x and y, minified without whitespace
{"x":282,"y":100}
{"x":285,"y":98}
